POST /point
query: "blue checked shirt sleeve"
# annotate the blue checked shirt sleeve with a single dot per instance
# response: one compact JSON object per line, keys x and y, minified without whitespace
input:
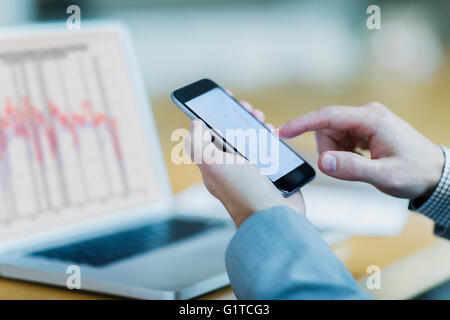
{"x":437,"y":206}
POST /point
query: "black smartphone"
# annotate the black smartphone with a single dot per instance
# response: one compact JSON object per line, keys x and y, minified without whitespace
{"x":207,"y":101}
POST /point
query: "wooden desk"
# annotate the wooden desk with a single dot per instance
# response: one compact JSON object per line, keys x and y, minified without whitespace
{"x":411,"y":262}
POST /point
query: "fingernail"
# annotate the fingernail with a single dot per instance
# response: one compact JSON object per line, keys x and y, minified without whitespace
{"x":329,"y":163}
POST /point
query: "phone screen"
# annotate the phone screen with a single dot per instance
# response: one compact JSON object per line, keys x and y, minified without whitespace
{"x":248,"y":135}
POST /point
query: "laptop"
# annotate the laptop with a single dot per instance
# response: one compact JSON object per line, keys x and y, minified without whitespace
{"x":85,"y":199}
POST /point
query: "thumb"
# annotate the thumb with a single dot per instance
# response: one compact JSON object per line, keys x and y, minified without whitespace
{"x":348,"y":166}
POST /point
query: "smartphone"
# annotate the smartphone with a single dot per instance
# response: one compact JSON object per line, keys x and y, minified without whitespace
{"x":221,"y":113}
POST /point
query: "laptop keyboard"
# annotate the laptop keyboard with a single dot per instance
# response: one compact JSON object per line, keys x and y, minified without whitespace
{"x":106,"y":249}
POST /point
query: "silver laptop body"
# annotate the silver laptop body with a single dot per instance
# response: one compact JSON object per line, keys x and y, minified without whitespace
{"x":81,"y":161}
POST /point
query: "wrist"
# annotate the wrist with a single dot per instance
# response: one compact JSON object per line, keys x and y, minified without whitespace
{"x":241,"y":212}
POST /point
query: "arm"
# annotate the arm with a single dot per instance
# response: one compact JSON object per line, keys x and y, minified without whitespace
{"x":401,"y":162}
{"x":277,"y":254}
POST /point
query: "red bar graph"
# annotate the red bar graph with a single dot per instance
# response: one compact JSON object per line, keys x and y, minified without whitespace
{"x":62,"y":152}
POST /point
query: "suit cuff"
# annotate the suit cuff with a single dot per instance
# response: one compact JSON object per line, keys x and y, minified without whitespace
{"x":277,"y":254}
{"x":437,"y":206}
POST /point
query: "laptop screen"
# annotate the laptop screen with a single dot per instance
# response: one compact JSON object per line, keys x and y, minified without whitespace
{"x":72,"y":145}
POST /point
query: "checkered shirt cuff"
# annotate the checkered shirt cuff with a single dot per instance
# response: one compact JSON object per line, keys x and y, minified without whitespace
{"x":437,"y":206}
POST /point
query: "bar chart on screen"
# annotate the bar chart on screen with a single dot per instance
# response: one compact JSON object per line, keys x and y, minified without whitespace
{"x":67,"y":141}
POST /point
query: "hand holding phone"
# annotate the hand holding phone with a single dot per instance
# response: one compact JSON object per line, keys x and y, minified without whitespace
{"x":242,"y":189}
{"x":250,"y":138}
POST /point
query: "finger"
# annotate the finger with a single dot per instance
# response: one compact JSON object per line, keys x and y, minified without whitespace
{"x":324,"y":142}
{"x":201,"y":143}
{"x":187,"y":145}
{"x":270,"y":126}
{"x":229,"y":92}
{"x":346,"y":143}
{"x":258,"y":114}
{"x":194,"y":142}
{"x":349,"y":166}
{"x":247,"y":106}
{"x":197,"y":155}
{"x":339,"y":118}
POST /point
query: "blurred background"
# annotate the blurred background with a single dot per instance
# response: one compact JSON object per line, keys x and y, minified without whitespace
{"x":286,"y":57}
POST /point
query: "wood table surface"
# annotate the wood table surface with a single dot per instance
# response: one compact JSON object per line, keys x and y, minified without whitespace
{"x":411,"y":262}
